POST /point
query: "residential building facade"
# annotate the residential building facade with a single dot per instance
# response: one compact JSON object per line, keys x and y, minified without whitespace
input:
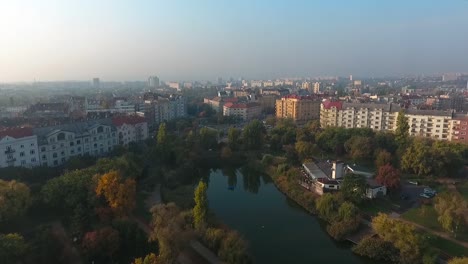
{"x":299,"y":108}
{"x":130,"y":129}
{"x":57,"y":144}
{"x":242,"y":111}
{"x":18,"y":147}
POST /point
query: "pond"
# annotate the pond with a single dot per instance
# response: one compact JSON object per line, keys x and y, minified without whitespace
{"x":278,"y":230}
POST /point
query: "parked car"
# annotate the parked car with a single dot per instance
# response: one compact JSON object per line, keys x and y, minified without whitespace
{"x":427,"y":196}
{"x":430,"y":191}
{"x":413,"y":182}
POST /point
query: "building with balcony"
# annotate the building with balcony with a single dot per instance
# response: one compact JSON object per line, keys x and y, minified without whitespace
{"x":432,"y":124}
{"x":130,"y":129}
{"x":18,"y":147}
{"x":242,"y":111}
{"x":301,"y":109}
{"x":57,"y":144}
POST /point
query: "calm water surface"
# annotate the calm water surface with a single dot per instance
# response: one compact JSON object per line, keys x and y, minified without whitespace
{"x":278,"y":230}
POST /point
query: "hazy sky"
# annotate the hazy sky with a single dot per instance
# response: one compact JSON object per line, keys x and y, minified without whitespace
{"x":203,"y":39}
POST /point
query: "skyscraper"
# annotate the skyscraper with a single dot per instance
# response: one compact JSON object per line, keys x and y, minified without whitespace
{"x":153,"y":82}
{"x":96,"y":82}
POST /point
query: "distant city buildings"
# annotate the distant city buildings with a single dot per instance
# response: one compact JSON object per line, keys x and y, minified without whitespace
{"x":158,"y":108}
{"x":96,"y":83}
{"x":153,"y":82}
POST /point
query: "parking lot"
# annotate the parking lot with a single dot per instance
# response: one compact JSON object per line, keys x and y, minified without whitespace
{"x":410,"y":195}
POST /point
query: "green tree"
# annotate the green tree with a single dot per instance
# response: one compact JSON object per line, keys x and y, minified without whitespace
{"x":14,"y":199}
{"x":234,"y":138}
{"x":233,"y":249}
{"x":359,"y":147}
{"x":305,"y":149}
{"x":326,"y":207}
{"x":401,"y":235}
{"x":418,"y":158}
{"x":378,"y":249}
{"x":12,"y":248}
{"x":347,"y":211}
{"x":208,"y":138}
{"x":253,"y":135}
{"x":383,"y":158}
{"x":402,"y":129}
{"x":162,"y":134}
{"x":354,"y":187}
{"x":200,"y":211}
{"x":170,"y":230}
{"x":451,"y":209}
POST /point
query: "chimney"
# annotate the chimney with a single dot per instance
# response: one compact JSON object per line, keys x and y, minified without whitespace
{"x":337,"y":169}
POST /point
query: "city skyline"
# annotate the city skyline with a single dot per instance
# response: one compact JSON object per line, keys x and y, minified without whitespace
{"x":181,"y":40}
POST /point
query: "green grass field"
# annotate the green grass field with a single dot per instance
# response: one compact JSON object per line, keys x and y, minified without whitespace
{"x":447,"y":246}
{"x":425,"y":216}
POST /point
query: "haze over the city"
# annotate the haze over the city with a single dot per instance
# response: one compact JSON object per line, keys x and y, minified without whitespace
{"x":193,"y":40}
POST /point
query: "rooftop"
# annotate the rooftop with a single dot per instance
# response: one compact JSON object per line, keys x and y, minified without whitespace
{"x":17,"y":132}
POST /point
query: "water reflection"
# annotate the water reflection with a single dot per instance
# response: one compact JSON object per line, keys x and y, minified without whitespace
{"x":251,"y":179}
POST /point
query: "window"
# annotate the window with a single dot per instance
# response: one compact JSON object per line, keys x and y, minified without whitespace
{"x":55,"y":162}
{"x":62,"y":145}
{"x":33,"y":160}
{"x":62,"y":153}
{"x":23,"y":162}
{"x":53,"y":147}
{"x":79,"y":149}
{"x":78,"y":142}
{"x":61,"y":136}
{"x":43,"y":149}
{"x":22,"y":146}
{"x":54,"y":155}
{"x":32,"y":152}
{"x":22,"y":154}
{"x":86,"y":140}
{"x":72,"y":144}
{"x":100,"y":129}
{"x":32,"y":144}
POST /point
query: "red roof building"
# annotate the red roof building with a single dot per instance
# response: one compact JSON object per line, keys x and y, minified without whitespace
{"x":17,"y":132}
{"x":327,"y":104}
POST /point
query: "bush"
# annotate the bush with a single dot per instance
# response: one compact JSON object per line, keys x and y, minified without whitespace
{"x":233,"y":249}
{"x":340,"y":229}
{"x":378,"y":249}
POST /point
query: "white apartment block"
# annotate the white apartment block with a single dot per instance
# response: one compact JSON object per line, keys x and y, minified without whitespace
{"x":268,"y":84}
{"x":18,"y":147}
{"x":254,"y":84}
{"x":243,"y":111}
{"x":383,"y":117}
{"x":57,"y":144}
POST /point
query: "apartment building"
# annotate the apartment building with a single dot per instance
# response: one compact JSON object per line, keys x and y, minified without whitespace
{"x":130,"y":129}
{"x":383,"y":117}
{"x":160,"y":109}
{"x":18,"y":147}
{"x":57,"y":144}
{"x":242,"y":111}
{"x":299,"y":108}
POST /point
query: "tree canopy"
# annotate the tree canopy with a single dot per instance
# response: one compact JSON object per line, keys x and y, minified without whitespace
{"x":119,"y":193}
{"x":200,"y":211}
{"x":14,"y":199}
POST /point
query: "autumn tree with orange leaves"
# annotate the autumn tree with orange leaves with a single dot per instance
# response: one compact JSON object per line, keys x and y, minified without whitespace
{"x":119,"y":193}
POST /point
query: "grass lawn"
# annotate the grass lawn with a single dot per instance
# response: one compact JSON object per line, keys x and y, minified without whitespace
{"x":447,"y":246}
{"x":375,"y":206}
{"x":425,"y":216}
